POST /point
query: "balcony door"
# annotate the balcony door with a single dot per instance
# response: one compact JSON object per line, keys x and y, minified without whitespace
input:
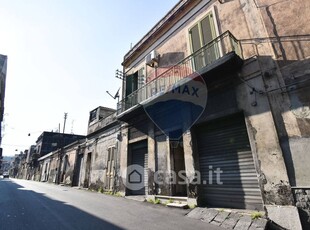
{"x":202,"y":34}
{"x":133,"y":83}
{"x":131,"y":86}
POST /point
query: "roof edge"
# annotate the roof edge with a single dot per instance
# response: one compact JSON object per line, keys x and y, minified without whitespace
{"x":155,"y":28}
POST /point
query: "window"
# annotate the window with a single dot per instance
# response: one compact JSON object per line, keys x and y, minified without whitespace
{"x":92,"y":115}
{"x":202,"y":34}
{"x":39,"y":149}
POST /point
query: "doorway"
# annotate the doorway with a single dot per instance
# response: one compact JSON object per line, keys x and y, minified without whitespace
{"x":77,"y":175}
{"x":179,"y":185}
{"x":224,"y":144}
{"x":139,"y":156}
{"x":87,"y":170}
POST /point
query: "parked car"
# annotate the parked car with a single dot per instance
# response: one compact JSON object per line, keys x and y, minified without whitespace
{"x":5,"y":175}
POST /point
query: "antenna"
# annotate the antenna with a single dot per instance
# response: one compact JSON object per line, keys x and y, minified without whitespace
{"x":65,"y":119}
{"x":116,"y":95}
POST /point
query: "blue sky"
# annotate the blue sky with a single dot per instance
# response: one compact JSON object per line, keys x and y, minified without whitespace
{"x":62,"y":57}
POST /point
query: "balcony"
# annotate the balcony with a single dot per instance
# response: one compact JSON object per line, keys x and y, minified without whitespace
{"x":221,"y":54}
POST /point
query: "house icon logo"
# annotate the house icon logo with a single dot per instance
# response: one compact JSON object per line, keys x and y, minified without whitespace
{"x":134,"y":175}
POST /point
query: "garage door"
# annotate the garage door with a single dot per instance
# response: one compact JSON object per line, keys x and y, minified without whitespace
{"x":224,"y":144}
{"x":140,"y":157}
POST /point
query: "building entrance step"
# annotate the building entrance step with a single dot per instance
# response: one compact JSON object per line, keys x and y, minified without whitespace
{"x":177,"y":205}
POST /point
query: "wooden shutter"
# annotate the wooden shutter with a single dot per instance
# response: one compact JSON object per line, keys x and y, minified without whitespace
{"x":208,"y":34}
{"x":141,"y":77}
{"x":200,"y":35}
{"x":141,"y":83}
{"x":110,"y":169}
{"x":207,"y":29}
{"x":195,"y":38}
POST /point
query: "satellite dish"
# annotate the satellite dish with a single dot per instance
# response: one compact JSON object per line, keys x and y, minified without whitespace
{"x":116,"y":95}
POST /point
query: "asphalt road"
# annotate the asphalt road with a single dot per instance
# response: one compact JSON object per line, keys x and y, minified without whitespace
{"x":40,"y":206}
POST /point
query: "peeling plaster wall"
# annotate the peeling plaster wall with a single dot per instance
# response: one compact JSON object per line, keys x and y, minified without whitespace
{"x":190,"y":167}
{"x":123,"y":159}
{"x":296,"y":147}
{"x":290,"y":43}
{"x":302,"y":197}
{"x":174,"y":45}
{"x":244,"y":20}
{"x":162,"y":156}
{"x":98,"y":146}
{"x":67,"y":175}
{"x":272,"y":173}
{"x":53,"y":168}
{"x":290,"y":31}
{"x":45,"y":169}
{"x":151,"y":144}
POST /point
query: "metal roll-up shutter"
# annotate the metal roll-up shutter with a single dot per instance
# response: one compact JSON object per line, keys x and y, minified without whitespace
{"x":140,"y":157}
{"x":224,"y":144}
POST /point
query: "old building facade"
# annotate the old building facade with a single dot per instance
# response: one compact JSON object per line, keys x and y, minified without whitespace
{"x":47,"y":143}
{"x":255,"y":126}
{"x":99,"y":162}
{"x":3,"y":70}
{"x":91,"y":162}
{"x":63,"y":159}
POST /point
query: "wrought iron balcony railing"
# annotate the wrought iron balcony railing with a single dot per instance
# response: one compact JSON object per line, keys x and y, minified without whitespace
{"x":217,"y":48}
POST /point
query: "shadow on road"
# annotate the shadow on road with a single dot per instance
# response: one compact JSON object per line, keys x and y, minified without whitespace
{"x":25,"y":209}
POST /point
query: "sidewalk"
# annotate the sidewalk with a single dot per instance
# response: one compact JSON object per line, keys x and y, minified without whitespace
{"x":230,"y":219}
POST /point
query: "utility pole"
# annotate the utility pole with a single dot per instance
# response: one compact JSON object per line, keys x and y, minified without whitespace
{"x":65,"y":119}
{"x":61,"y":150}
